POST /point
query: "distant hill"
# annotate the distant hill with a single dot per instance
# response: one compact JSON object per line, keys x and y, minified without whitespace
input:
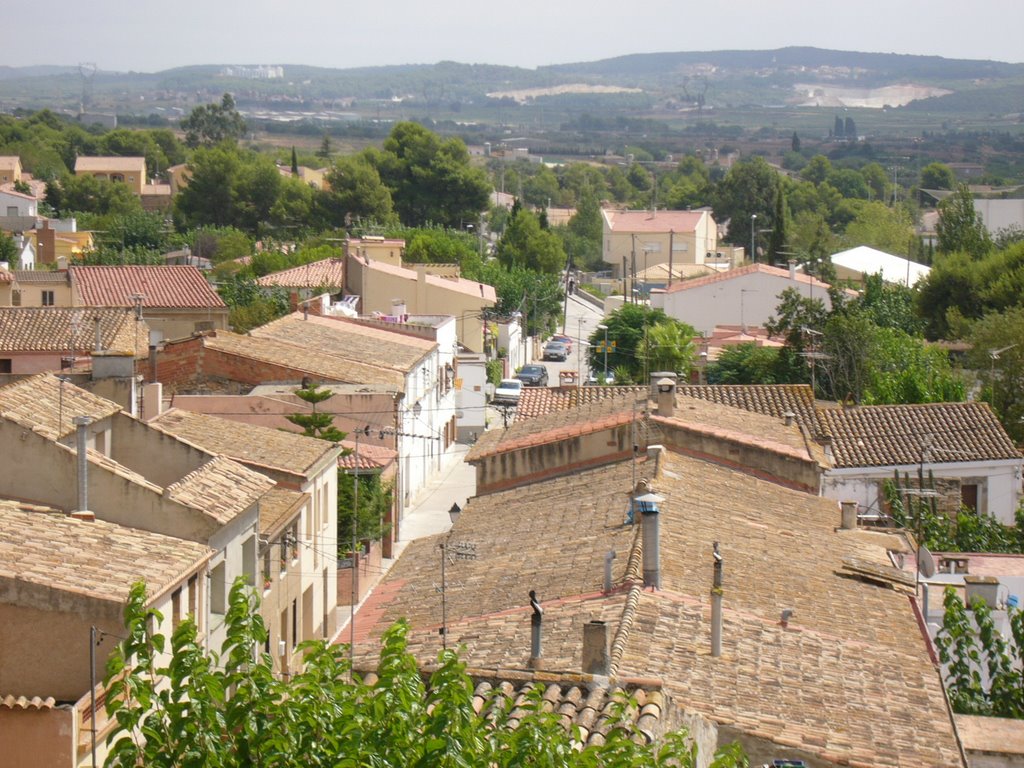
{"x":11,"y":73}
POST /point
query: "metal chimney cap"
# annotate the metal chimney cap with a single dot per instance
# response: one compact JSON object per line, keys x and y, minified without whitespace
{"x":650,"y":498}
{"x":82,"y":421}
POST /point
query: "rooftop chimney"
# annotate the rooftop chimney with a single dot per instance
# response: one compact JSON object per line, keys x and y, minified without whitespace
{"x":657,"y":376}
{"x":99,"y":335}
{"x":597,"y":658}
{"x":666,"y":397}
{"x":848,"y":521}
{"x":716,"y":604}
{"x":608,"y":557}
{"x":535,"y":622}
{"x":789,"y":417}
{"x":985,"y":588}
{"x":648,"y":506}
{"x":81,"y":440}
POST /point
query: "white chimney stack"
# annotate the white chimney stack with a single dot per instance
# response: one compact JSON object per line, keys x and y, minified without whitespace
{"x":649,"y":512}
{"x":848,"y":520}
{"x":666,"y":397}
{"x":81,"y":440}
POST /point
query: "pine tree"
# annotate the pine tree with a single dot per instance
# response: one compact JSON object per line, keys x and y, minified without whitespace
{"x":325,"y":147}
{"x":794,"y":142}
{"x":316,"y":424}
{"x":295,"y":162}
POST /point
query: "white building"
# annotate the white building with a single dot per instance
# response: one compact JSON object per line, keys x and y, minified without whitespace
{"x":862,"y":261}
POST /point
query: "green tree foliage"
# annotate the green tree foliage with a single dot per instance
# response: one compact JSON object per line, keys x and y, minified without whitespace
{"x":686,"y":186}
{"x":794,"y":143}
{"x":778,"y":240}
{"x":356,"y":193}
{"x":749,"y":188}
{"x":982,"y":668}
{"x":375,"y":503}
{"x":997,"y":353}
{"x":316,"y":423}
{"x":586,"y":229}
{"x":937,"y":176}
{"x":525,"y":244}
{"x":635,"y":351}
{"x":212,"y":124}
{"x":538,"y":296}
{"x":233,"y":712}
{"x":228,"y":188}
{"x":295,"y":162}
{"x":8,"y":250}
{"x":87,"y":194}
{"x":960,"y":229}
{"x":817,"y":169}
{"x":878,"y":226}
{"x":811,"y":237}
{"x":249,"y":305}
{"x":431,"y":179}
{"x":745,"y":364}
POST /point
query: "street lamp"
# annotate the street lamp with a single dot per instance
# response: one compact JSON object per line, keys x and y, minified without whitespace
{"x":604,"y":328}
{"x":753,"y":234}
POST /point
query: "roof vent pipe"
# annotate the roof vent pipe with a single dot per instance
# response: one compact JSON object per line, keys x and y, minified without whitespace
{"x":608,"y":557}
{"x":848,"y":521}
{"x":666,"y":397}
{"x":597,"y":658}
{"x":790,"y":417}
{"x":535,"y":626}
{"x":81,"y":439}
{"x":648,"y":505}
{"x":716,"y":604}
{"x":99,"y":334}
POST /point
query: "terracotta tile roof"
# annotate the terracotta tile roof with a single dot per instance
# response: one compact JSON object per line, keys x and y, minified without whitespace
{"x":540,"y":401}
{"x":600,"y":414}
{"x":311,"y":360}
{"x":851,"y":657}
{"x":742,"y":426}
{"x":164,"y":287}
{"x":327,"y":273}
{"x":21,"y":702}
{"x":349,"y":341}
{"x":93,"y":559}
{"x":52,"y":329}
{"x":647,"y":221}
{"x":481,"y":291}
{"x":27,"y":276}
{"x":732,"y":274}
{"x":278,"y":507}
{"x":886,"y":435}
{"x":37,"y":403}
{"x":221,"y":489}
{"x":583,"y":702}
{"x":371,"y":457}
{"x":251,"y":444}
{"x":768,"y":399}
{"x":106,"y":164}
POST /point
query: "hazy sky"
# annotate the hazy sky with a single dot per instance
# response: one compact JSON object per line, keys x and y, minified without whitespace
{"x":145,"y":36}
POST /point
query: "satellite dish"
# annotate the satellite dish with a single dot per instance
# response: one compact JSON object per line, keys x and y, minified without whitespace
{"x":925,"y":563}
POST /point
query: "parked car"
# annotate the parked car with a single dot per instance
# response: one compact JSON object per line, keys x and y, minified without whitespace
{"x":555,"y":350}
{"x":507,"y":392}
{"x":565,"y":340}
{"x":533,"y":375}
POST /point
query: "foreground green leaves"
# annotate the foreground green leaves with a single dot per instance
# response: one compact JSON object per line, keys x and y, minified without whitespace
{"x":188,"y":710}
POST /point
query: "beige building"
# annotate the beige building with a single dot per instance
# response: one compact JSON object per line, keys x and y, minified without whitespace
{"x":41,"y":288}
{"x":127,"y":170}
{"x":10,"y":169}
{"x":133,"y":475}
{"x":396,"y":291}
{"x":389,"y":250}
{"x":646,"y":238}
{"x":60,"y":576}
{"x":298,"y":521}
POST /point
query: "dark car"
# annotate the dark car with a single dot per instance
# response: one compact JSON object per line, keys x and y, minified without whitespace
{"x":533,"y":375}
{"x":555,"y":350}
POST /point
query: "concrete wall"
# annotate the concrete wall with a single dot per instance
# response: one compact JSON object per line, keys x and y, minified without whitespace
{"x":27,"y":363}
{"x":998,"y":485}
{"x":652,"y":248}
{"x":471,"y":397}
{"x":39,"y":738}
{"x":169,"y":324}
{"x":749,"y":299}
{"x":756,"y":460}
{"x":160,"y":458}
{"x":41,"y":471}
{"x":515,"y":468}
